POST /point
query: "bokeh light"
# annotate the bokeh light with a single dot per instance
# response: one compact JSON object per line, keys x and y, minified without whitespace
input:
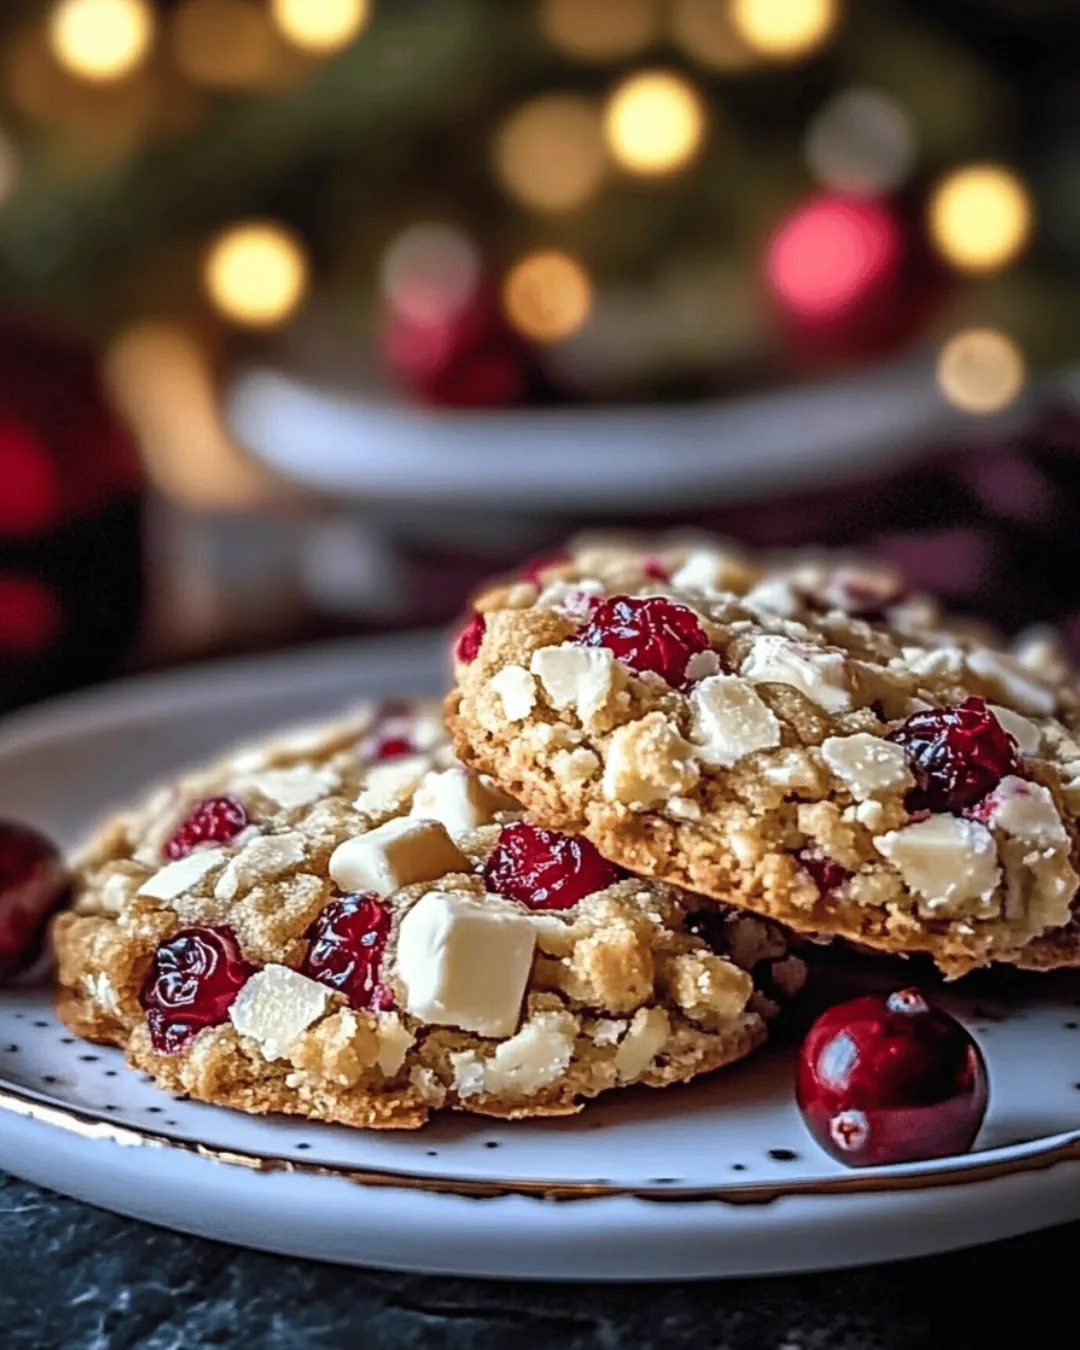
{"x":861,"y":141}
{"x":980,"y":217}
{"x":654,"y":122}
{"x":599,"y":30}
{"x":831,"y":254}
{"x":430,"y":273}
{"x":101,"y":39}
{"x":980,"y":370}
{"x":547,"y":296}
{"x":225,"y":44}
{"x":321,"y":26}
{"x":549,"y":154}
{"x":161,"y":379}
{"x":706,"y":32}
{"x":784,"y":30}
{"x":256,"y":274}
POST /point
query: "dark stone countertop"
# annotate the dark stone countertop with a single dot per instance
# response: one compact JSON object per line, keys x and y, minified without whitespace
{"x":76,"y":1278}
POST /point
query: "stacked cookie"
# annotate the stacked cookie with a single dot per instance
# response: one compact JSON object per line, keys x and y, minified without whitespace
{"x":672,"y":764}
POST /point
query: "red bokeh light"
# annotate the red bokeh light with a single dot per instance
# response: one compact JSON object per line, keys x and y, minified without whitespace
{"x":29,"y":615}
{"x":29,"y":481}
{"x":830,"y":255}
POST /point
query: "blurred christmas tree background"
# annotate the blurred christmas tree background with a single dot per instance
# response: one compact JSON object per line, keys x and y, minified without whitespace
{"x":510,"y":203}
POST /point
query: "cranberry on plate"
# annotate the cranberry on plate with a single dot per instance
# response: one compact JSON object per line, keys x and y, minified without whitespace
{"x":886,"y":1078}
{"x":33,"y":882}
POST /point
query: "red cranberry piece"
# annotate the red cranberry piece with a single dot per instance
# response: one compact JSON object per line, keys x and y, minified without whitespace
{"x":213,"y":821}
{"x":535,"y":567}
{"x":957,"y":755}
{"x":33,"y":882}
{"x":472,"y":635}
{"x":390,"y":737}
{"x":191,"y":984}
{"x":889,"y":1079}
{"x":348,"y":940}
{"x":828,"y":875}
{"x":654,"y":569}
{"x":651,"y":634}
{"x":545,"y":869}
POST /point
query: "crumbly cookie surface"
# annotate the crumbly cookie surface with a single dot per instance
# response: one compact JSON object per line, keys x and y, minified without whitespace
{"x":451,"y":996}
{"x":749,"y":728}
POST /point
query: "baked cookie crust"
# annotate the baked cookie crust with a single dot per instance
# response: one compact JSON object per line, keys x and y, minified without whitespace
{"x":747,"y":734}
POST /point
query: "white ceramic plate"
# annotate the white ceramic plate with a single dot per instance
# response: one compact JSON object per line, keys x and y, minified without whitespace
{"x":718,"y":1178}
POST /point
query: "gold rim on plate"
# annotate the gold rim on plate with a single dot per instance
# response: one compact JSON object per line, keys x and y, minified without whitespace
{"x":89,"y":1126}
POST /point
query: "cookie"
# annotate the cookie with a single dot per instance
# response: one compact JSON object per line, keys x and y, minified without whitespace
{"x":346,"y":925}
{"x":795,"y":735}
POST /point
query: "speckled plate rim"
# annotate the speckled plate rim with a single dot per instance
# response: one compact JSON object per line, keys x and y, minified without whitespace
{"x":416,"y":657}
{"x":1035,"y":1155}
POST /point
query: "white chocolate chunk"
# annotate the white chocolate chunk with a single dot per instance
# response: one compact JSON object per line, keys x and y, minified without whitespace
{"x":946,"y":860}
{"x":730,"y":720}
{"x":701,"y":665}
{"x":1026,"y":734}
{"x":818,"y":674}
{"x":1026,"y":811}
{"x":774,"y":595}
{"x":399,"y":853}
{"x":275,"y":1006}
{"x":648,"y":762}
{"x":177,"y":877}
{"x":1014,"y":685}
{"x":395,"y":1041}
{"x":539,"y":1054}
{"x":460,"y":799}
{"x":706,"y":570}
{"x":292,"y":787}
{"x":262,"y":857}
{"x":517,"y":690}
{"x":866,"y":765}
{"x":465,"y":962}
{"x":577,"y":677}
{"x":646,"y":1037}
{"x":387,"y":784}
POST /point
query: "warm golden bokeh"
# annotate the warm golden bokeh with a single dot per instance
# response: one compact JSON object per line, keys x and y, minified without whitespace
{"x":655,"y":122}
{"x":549,"y":154}
{"x":784,"y":30}
{"x":600,"y":30}
{"x":101,"y":39}
{"x":256,"y":274}
{"x":226,"y":44}
{"x":547,"y":296}
{"x":980,"y":217}
{"x":321,"y":26}
{"x":980,"y":370}
{"x":706,"y":32}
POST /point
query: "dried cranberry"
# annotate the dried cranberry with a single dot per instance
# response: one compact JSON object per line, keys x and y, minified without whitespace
{"x":390,"y":736}
{"x":654,"y":569}
{"x":535,"y":567}
{"x":33,"y":882}
{"x":957,"y":755}
{"x":348,"y":940}
{"x":650,"y":634}
{"x":889,"y":1079}
{"x":828,"y":875}
{"x":191,"y":984}
{"x":213,"y":821}
{"x":472,"y":635}
{"x":545,"y":869}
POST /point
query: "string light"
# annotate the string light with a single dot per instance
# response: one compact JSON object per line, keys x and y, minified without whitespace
{"x":547,"y":296}
{"x":321,"y":26}
{"x":101,"y":39}
{"x":980,"y":217}
{"x":430,"y":273}
{"x":654,"y":122}
{"x":549,"y":154}
{"x":706,"y":32}
{"x":256,"y":274}
{"x":861,"y":142}
{"x":226,"y":44}
{"x":599,"y":30}
{"x":980,"y":370}
{"x":784,"y":30}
